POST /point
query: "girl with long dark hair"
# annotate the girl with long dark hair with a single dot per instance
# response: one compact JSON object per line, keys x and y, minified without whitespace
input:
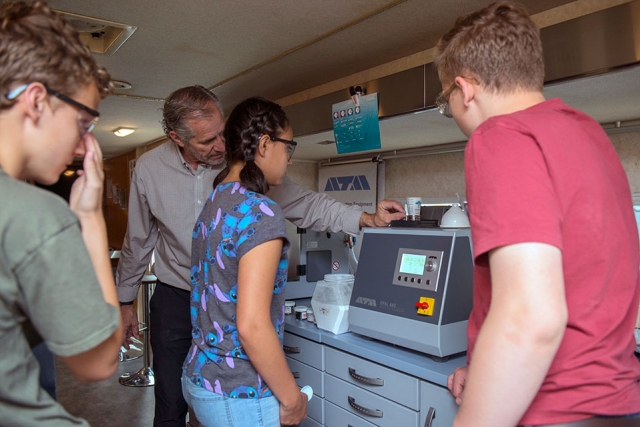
{"x":236,"y":372}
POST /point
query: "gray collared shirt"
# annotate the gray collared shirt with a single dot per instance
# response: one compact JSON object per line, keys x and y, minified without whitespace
{"x":166,"y":197}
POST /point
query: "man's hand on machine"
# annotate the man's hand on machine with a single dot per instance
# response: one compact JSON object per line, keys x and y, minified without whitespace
{"x":129,"y":324}
{"x":386,"y":211}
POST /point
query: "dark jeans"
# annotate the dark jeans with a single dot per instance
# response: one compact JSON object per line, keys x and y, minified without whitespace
{"x":170,"y":334}
{"x":47,"y":368}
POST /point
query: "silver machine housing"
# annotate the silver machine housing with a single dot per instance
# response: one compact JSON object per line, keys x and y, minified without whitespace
{"x":398,"y":267}
{"x":312,"y":254}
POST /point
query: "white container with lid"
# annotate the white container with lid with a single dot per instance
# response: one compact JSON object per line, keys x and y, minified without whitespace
{"x":310,"y":316}
{"x":330,"y":302}
{"x":289,"y":306}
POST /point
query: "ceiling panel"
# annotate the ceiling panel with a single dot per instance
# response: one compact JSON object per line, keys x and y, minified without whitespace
{"x":208,"y":42}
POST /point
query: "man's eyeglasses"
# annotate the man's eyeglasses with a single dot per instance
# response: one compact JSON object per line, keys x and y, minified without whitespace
{"x":87,"y":117}
{"x":442,"y":101}
{"x":291,"y":145}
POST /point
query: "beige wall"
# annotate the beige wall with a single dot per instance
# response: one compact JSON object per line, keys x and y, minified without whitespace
{"x":305,"y":174}
{"x":437,"y":175}
{"x":442,"y":175}
{"x":628,"y":147}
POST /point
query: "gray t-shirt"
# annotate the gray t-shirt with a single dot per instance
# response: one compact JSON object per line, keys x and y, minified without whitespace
{"x":232,"y":222}
{"x":48,"y":291}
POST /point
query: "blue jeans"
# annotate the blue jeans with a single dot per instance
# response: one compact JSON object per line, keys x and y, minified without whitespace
{"x":214,"y":410}
{"x":47,"y":368}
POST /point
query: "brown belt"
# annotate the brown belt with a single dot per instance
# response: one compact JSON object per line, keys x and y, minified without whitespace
{"x":596,"y":422}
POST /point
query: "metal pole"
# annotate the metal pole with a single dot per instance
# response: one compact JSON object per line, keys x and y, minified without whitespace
{"x":144,"y":377}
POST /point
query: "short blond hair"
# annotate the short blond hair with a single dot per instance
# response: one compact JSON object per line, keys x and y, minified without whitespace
{"x":38,"y":45}
{"x":499,"y":46}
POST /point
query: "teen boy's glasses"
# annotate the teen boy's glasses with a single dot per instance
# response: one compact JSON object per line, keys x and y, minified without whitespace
{"x":291,"y":145}
{"x":442,"y":101}
{"x":87,"y":117}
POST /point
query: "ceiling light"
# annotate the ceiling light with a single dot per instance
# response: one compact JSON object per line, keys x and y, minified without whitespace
{"x":123,"y":131}
{"x":120,"y":85}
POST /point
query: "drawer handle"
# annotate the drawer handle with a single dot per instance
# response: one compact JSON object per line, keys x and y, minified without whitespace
{"x":290,"y":350}
{"x":431,"y":415}
{"x":366,"y":380}
{"x":296,"y":374}
{"x":371,"y":412}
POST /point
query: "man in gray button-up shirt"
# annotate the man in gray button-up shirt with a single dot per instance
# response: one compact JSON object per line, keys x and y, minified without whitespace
{"x":169,"y":187}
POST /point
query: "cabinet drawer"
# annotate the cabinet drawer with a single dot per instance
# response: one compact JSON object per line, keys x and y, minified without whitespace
{"x":338,"y":417}
{"x":315,"y":409}
{"x":308,"y":422}
{"x":399,"y":387}
{"x":306,"y":375}
{"x":304,"y":350}
{"x":443,"y":404}
{"x":373,"y":408}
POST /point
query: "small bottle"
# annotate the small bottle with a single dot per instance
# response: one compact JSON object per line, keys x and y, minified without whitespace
{"x":301,"y":312}
{"x":310,"y":316}
{"x":289,"y":306}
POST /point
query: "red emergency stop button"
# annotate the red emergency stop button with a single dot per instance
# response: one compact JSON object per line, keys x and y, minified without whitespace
{"x":425,"y":306}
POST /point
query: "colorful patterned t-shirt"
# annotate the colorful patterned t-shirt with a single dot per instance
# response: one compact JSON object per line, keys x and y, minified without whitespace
{"x":233,"y":221}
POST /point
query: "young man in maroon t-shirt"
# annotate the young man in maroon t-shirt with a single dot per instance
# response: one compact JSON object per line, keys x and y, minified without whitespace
{"x":555,"y":241}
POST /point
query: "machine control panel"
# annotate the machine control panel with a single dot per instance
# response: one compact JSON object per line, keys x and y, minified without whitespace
{"x":417,"y":268}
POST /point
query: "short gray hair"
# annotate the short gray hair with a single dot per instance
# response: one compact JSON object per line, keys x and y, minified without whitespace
{"x":187,"y":103}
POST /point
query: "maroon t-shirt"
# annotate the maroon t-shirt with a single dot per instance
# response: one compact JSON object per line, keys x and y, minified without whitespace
{"x":549,"y":174}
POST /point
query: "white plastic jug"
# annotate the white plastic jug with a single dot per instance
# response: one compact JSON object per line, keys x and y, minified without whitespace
{"x":330,"y":302}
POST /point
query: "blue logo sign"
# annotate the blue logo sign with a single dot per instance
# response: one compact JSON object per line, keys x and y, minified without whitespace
{"x":347,"y":183}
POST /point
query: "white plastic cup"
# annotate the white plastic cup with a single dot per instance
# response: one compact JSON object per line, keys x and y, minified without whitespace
{"x":413,"y":208}
{"x":308,"y":391}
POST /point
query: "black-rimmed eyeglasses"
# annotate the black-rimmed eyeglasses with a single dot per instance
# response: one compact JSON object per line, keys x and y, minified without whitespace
{"x":86,"y":123}
{"x":291,"y":145}
{"x":87,"y":117}
{"x":442,"y":101}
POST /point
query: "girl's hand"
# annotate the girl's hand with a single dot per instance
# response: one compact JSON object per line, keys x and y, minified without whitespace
{"x":291,"y":416}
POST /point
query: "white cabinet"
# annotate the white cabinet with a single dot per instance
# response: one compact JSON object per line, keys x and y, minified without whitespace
{"x":437,"y":407}
{"x":351,"y":391}
{"x":338,"y":417}
{"x":304,"y":350}
{"x":376,"y":409}
{"x":306,"y":361}
{"x":388,"y":383}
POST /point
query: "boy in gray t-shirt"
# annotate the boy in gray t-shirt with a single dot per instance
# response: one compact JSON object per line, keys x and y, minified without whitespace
{"x":56,"y":283}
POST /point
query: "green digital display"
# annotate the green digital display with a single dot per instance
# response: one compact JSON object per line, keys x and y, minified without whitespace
{"x":412,"y":264}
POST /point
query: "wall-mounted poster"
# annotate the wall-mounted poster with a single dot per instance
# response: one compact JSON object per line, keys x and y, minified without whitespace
{"x":355,"y":124}
{"x":352,"y":184}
